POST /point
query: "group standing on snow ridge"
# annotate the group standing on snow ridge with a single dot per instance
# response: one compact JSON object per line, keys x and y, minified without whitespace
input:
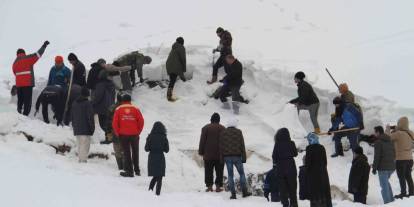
{"x":76,"y":97}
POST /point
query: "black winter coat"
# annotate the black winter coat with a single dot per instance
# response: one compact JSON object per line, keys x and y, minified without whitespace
{"x":303,"y":188}
{"x":156,"y":145}
{"x":104,"y":96}
{"x":317,"y":177}
{"x":93,"y":76}
{"x":79,"y":74}
{"x":359,"y":175}
{"x":234,"y":74}
{"x":307,"y":95}
{"x":284,"y":152}
{"x":83,"y":121}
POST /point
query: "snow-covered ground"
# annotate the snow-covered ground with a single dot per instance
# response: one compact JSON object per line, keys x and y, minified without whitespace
{"x":270,"y":39}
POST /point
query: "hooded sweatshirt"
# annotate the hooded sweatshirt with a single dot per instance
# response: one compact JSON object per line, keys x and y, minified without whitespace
{"x":402,"y":138}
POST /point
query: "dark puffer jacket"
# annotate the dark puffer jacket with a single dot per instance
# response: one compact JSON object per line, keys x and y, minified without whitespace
{"x":234,"y":74}
{"x":359,"y":175}
{"x":232,"y":143}
{"x":209,"y":141}
{"x":307,"y":95}
{"x":103,"y":95}
{"x":83,"y":117}
{"x":284,"y":152}
{"x":157,"y":145}
{"x":384,"y":156}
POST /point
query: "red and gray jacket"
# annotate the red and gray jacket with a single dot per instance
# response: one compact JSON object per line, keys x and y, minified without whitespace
{"x":23,"y":68}
{"x":127,"y":121}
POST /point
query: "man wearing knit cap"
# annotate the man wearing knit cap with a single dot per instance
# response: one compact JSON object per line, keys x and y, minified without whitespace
{"x":210,"y":150}
{"x":59,"y":74}
{"x":307,"y":100}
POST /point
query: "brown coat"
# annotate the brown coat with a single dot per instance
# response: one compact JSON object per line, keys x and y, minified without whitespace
{"x":232,"y":143}
{"x":402,"y":138}
{"x":209,"y":141}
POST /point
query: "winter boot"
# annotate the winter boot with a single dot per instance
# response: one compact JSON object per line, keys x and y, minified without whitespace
{"x":209,"y":189}
{"x":401,"y":196}
{"x":120,"y":163}
{"x":236,"y":107}
{"x":246,"y":193}
{"x":127,"y":174}
{"x":170,"y":97}
{"x":317,"y":130}
{"x":233,"y":196}
{"x":226,"y":105}
{"x":213,"y":80}
{"x":219,"y":189}
{"x":338,"y":152}
{"x":138,"y":172}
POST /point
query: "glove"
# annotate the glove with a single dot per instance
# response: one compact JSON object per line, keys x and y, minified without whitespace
{"x":46,"y":43}
{"x":266,"y":195}
{"x":374,"y":171}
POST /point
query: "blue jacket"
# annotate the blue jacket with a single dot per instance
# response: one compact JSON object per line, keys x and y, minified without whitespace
{"x":59,"y":76}
{"x":351,"y":117}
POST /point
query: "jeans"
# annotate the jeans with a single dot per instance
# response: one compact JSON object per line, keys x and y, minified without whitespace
{"x":24,"y":99}
{"x":313,"y":113}
{"x":404,"y":168}
{"x":386,"y":190}
{"x":352,"y":137}
{"x":237,"y":162}
{"x":209,"y":167}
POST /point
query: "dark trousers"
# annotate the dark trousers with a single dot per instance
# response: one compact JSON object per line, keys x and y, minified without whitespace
{"x":404,"y":168}
{"x":360,"y":198}
{"x":209,"y":167}
{"x":103,"y":118}
{"x":130,"y":146}
{"x":24,"y":100}
{"x":221,"y":62}
{"x":288,"y":188}
{"x":353,"y":138}
{"x":158,"y":181}
{"x":173,"y":79}
{"x":235,"y":93}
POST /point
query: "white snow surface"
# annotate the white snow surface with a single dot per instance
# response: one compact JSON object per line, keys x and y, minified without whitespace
{"x":34,"y":175}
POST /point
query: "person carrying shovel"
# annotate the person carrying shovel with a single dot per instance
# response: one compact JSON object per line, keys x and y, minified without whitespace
{"x":350,"y":118}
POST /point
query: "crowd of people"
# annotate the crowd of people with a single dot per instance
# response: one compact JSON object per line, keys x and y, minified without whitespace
{"x":77,"y":97}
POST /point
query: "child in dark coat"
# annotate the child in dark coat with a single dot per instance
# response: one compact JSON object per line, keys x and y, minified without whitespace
{"x":271,"y":186}
{"x":157,"y":145}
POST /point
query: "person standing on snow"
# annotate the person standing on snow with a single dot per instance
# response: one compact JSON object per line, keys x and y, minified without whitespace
{"x":225,"y":49}
{"x":350,"y":117}
{"x":119,"y":154}
{"x":384,"y":163}
{"x":25,"y":80}
{"x":127,"y":124}
{"x":93,"y":74}
{"x":103,"y":98}
{"x":283,"y":156}
{"x":232,"y":83}
{"x":359,"y":176}
{"x":59,"y":74}
{"x":157,"y":144}
{"x":233,"y":153}
{"x":83,"y":124}
{"x":55,"y":96}
{"x":317,"y":178}
{"x":307,"y":100}
{"x":403,"y":137}
{"x":209,"y":149}
{"x":176,"y":66}
{"x":79,"y":71}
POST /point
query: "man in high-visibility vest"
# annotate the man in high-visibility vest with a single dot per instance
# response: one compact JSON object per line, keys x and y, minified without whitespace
{"x":25,"y":81}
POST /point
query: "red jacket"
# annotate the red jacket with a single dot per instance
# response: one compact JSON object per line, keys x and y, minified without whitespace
{"x":127,"y":121}
{"x":23,"y":68}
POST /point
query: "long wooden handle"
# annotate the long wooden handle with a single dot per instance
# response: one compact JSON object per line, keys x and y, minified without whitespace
{"x":338,"y":131}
